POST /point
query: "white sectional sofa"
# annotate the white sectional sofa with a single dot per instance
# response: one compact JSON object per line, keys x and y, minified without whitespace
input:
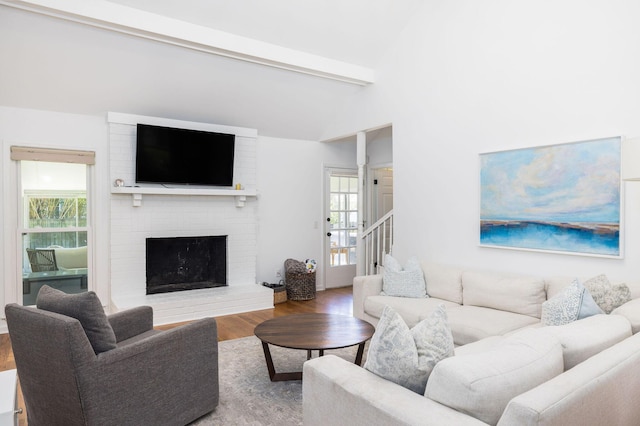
{"x":508,"y":368}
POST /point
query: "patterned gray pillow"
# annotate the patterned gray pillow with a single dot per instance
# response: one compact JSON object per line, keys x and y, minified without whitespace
{"x":407,"y":356}
{"x":573,"y":303}
{"x":403,"y":282}
{"x":606,"y":295}
{"x":86,"y":308}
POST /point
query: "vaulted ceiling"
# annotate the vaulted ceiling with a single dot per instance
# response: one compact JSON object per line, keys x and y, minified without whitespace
{"x":283,"y":66}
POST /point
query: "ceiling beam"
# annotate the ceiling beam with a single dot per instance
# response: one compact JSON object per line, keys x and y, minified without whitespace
{"x":127,"y":20}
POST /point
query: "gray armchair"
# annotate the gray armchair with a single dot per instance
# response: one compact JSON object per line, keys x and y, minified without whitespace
{"x":151,"y":377}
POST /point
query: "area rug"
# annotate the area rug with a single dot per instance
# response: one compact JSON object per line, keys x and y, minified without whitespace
{"x":247,"y":396}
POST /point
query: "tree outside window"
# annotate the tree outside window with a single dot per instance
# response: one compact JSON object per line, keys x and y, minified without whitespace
{"x":57,"y":211}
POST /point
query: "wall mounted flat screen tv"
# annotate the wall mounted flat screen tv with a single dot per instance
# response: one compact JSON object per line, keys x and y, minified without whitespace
{"x":168,"y":155}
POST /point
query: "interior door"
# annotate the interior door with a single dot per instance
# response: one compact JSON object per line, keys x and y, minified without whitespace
{"x":382,"y":192}
{"x":341,"y":227}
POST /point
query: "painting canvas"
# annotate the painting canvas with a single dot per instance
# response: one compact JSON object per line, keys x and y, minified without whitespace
{"x":561,"y":198}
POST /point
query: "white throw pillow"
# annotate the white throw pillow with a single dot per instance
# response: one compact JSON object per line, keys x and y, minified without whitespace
{"x":573,"y":303}
{"x":403,"y":282}
{"x":607,"y":296}
{"x":407,"y":356}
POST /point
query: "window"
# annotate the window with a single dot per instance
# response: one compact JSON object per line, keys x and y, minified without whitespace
{"x":343,"y":215}
{"x":54,"y":224}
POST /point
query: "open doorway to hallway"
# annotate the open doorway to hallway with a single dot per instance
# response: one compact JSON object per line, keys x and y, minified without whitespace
{"x":373,"y":180}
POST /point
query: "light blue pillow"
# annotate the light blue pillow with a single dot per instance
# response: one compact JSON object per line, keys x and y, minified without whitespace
{"x":403,"y":282}
{"x":573,"y":303}
{"x":407,"y":356}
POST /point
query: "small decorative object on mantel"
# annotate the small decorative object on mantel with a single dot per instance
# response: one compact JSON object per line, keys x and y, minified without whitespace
{"x":118,"y":183}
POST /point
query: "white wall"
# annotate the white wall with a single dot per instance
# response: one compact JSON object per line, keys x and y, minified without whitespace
{"x":380,"y":148}
{"x":291,"y":200}
{"x":469,"y":77}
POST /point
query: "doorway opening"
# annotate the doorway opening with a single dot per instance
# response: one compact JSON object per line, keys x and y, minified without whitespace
{"x":341,"y":227}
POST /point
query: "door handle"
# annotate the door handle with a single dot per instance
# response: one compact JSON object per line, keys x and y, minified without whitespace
{"x":328,"y":234}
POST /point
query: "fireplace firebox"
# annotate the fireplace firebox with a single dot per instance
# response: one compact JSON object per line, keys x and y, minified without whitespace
{"x":186,"y":263}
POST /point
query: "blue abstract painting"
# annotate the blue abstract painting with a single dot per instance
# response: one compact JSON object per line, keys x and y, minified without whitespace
{"x":560,"y":198}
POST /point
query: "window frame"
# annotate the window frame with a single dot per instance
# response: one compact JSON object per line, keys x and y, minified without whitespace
{"x":23,"y":226}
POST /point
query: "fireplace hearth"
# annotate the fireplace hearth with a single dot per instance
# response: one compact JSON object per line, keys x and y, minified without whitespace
{"x":186,"y":263}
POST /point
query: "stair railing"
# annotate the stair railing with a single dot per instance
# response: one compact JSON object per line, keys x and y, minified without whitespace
{"x":378,"y":241}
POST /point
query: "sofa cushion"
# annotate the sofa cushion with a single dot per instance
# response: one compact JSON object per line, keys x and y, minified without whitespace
{"x":554,"y":285}
{"x":412,"y":310}
{"x":71,"y":257}
{"x":443,"y":281}
{"x":572,"y":304}
{"x":582,"y":339}
{"x":607,"y":296}
{"x":403,"y":282}
{"x":482,"y":384}
{"x":478,"y":346}
{"x":631,"y":311}
{"x":86,"y":308}
{"x":519,"y":294}
{"x":634,"y":288}
{"x":407,"y":356}
{"x":471,"y":323}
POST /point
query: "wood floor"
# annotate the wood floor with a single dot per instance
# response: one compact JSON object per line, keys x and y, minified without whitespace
{"x":336,"y":301}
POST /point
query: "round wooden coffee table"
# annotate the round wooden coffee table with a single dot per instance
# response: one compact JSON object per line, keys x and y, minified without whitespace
{"x":311,"y":332}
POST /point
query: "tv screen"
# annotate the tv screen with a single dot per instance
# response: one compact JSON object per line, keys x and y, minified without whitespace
{"x":169,"y":155}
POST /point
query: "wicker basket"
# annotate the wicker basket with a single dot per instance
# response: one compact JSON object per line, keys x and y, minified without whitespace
{"x":300,"y":284}
{"x":279,"y":295}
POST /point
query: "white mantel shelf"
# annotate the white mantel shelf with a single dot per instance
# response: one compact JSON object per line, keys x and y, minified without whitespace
{"x":137,"y":192}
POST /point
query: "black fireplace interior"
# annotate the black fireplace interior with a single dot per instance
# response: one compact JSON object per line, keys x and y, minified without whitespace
{"x":186,"y":263}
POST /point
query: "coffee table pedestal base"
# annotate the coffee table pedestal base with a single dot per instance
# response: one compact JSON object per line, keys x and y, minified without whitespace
{"x":297,"y":375}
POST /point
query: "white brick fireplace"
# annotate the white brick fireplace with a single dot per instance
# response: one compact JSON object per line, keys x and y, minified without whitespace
{"x":183,"y":213}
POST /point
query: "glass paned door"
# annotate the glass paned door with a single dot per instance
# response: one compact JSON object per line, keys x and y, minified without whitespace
{"x":54,"y":227}
{"x":342,"y":227}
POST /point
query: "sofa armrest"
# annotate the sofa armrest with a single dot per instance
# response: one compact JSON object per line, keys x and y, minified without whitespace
{"x":364,"y":286}
{"x":167,"y":365}
{"x":131,"y":322}
{"x":601,"y":390}
{"x":335,"y":391}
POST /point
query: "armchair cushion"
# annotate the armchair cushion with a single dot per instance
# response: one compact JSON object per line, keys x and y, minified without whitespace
{"x":86,"y":308}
